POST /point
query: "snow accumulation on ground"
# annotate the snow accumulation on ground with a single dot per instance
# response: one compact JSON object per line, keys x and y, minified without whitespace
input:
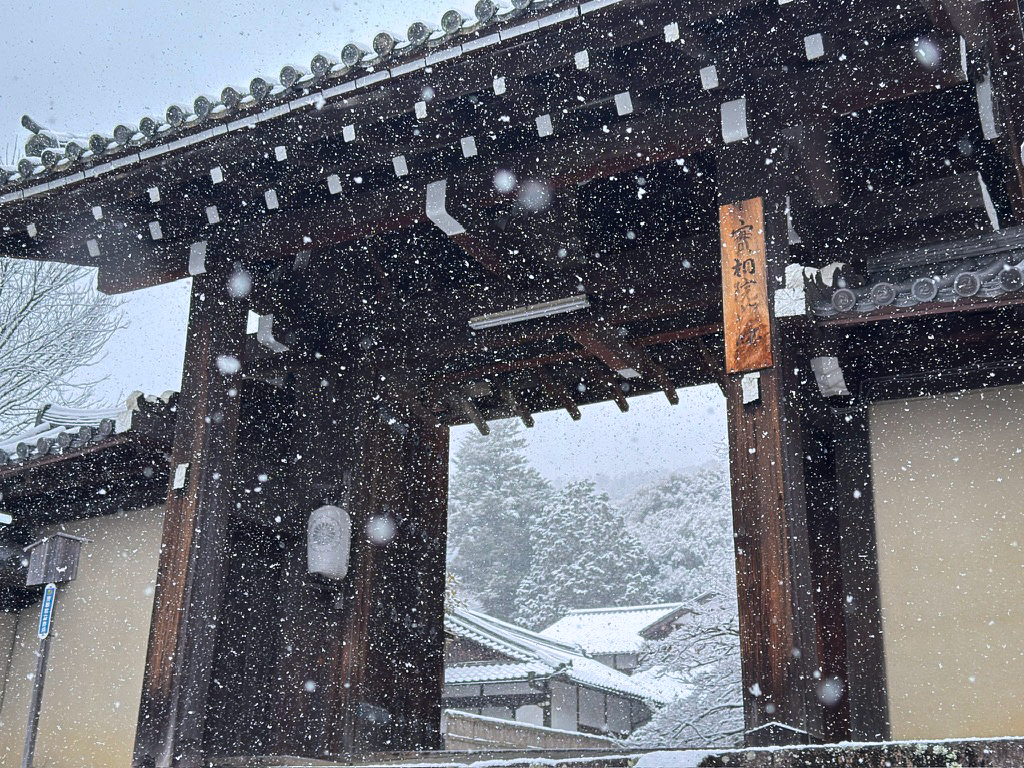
{"x":684,"y":758}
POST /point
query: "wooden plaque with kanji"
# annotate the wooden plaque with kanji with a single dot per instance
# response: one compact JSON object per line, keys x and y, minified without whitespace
{"x":747,"y":323}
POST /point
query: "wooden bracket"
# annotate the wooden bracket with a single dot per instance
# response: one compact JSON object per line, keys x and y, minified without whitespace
{"x":509,"y":396}
{"x":711,"y":364}
{"x":619,"y":396}
{"x":559,"y":394}
{"x":627,"y":360}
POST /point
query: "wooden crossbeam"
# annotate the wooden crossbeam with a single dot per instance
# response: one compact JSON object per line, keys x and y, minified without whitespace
{"x":619,"y":396}
{"x":896,"y":209}
{"x":513,"y":401}
{"x":263,"y":137}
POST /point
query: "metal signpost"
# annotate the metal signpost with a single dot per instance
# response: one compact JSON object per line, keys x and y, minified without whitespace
{"x":45,"y":619}
{"x":53,"y":560}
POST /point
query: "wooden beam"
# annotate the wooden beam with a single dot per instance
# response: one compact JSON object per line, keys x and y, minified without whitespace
{"x":620,"y":356}
{"x":510,"y":397}
{"x":1005,"y":47}
{"x":465,"y":405}
{"x":901,"y":209}
{"x":559,"y":394}
{"x":632,"y":141}
{"x":777,"y":642}
{"x":186,"y":607}
{"x":311,"y":692}
{"x":963,"y":17}
{"x":623,"y":358}
{"x":619,"y":396}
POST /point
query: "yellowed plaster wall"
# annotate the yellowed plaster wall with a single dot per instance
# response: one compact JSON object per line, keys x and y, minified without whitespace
{"x":98,"y":652}
{"x":949,"y":505}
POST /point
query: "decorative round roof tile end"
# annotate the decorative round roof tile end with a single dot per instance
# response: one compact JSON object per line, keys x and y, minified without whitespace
{"x":176,"y":116}
{"x":352,"y":54}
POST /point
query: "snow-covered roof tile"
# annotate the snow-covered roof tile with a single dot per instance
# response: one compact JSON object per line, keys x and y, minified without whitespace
{"x":610,"y":630}
{"x":493,"y":673}
{"x":594,"y":674}
{"x":508,"y":639}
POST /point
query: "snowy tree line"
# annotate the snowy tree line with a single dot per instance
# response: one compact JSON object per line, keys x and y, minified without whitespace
{"x":528,"y":552}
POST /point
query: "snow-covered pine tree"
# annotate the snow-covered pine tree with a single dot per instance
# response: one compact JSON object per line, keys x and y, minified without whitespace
{"x":494,"y":494}
{"x":583,"y":557}
{"x":685,"y":525}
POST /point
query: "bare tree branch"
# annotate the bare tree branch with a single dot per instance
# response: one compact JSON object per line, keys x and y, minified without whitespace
{"x":53,"y":324}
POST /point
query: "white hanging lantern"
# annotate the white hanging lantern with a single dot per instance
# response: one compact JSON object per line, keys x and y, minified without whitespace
{"x":328,"y":540}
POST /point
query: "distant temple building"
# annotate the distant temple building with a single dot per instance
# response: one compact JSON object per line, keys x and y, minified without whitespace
{"x":498,"y":670}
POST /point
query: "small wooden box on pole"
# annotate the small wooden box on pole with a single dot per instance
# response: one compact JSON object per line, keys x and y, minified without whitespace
{"x":53,"y":559}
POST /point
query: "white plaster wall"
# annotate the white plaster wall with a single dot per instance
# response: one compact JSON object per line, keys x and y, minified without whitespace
{"x":949,"y":505}
{"x":98,"y":652}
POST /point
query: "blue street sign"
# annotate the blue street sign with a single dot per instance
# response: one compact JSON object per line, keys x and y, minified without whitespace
{"x":46,"y":611}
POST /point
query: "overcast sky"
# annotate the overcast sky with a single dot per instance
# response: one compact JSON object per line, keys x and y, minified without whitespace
{"x":86,"y":66}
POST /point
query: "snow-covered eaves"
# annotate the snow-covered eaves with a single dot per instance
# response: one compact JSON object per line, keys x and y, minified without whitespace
{"x":494,"y":673}
{"x":594,"y":674}
{"x":507,"y":639}
{"x":52,"y":156}
{"x":67,"y":431}
{"x":611,"y":630}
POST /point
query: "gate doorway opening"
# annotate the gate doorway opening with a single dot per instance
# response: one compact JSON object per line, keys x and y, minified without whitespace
{"x":592,"y":588}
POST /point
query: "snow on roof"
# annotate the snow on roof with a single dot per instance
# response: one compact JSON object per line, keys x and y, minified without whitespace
{"x":59,"y":429}
{"x":610,"y":630}
{"x":532,"y":652}
{"x":497,"y":672}
{"x":329,"y":77}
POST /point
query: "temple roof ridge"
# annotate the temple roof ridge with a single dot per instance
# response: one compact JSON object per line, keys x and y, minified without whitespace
{"x":50,"y":153}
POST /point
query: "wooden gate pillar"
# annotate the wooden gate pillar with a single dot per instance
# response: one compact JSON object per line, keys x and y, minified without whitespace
{"x":777,"y":633}
{"x":362,"y":660}
{"x":865,"y":650}
{"x":183,"y":632}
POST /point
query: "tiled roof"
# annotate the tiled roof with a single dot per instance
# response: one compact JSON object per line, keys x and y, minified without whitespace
{"x":328,"y":76}
{"x":532,"y":652}
{"x":64,"y":430}
{"x":984,"y":267}
{"x":493,"y":673}
{"x":505,"y":638}
{"x":609,"y":630}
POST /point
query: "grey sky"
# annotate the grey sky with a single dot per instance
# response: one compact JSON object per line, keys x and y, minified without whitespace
{"x":84,"y":67}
